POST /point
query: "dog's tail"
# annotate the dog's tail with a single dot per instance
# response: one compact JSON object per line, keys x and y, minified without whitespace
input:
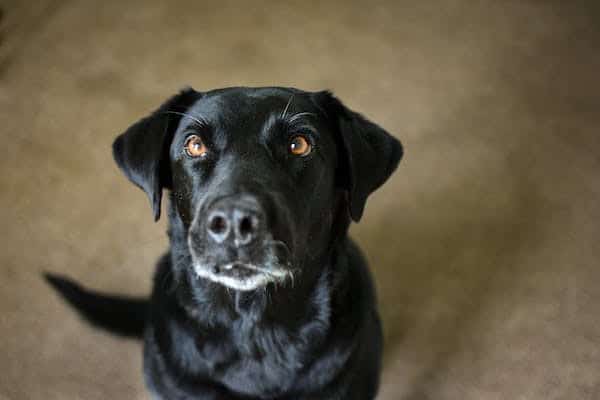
{"x":124,"y":316}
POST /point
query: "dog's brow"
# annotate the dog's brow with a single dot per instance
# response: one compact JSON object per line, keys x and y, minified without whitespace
{"x":294,"y":118}
{"x":299,"y":121}
{"x":199,"y":120}
{"x":290,"y":122}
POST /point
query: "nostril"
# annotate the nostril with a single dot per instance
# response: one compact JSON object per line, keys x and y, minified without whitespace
{"x":218,"y":224}
{"x":246,"y":226}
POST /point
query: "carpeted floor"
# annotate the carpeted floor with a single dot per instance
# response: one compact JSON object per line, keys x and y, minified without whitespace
{"x":485,"y":244}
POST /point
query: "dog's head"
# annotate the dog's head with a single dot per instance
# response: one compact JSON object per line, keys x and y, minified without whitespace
{"x":262,"y":180}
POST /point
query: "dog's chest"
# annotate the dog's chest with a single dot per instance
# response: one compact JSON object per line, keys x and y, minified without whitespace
{"x":246,"y":358}
{"x":266,"y":360}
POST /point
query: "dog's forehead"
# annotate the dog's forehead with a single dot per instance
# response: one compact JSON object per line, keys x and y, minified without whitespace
{"x":235,"y":105}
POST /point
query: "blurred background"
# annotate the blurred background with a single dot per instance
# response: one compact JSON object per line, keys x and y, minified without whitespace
{"x":484,"y":244}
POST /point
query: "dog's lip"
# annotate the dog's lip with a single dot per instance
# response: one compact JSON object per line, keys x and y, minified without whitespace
{"x":251,"y":269}
{"x":242,"y":276}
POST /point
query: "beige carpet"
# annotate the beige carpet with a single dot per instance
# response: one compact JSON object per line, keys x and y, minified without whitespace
{"x":485,"y":244}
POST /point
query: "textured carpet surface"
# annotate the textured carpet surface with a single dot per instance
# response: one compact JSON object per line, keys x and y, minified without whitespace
{"x":484,"y":244}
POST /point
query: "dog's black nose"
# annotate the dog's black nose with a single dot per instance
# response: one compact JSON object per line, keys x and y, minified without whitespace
{"x":235,"y":220}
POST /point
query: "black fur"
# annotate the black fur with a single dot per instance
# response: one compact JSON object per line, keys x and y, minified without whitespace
{"x":311,"y":333}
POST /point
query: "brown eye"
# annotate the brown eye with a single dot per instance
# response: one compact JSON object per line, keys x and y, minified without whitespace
{"x":300,"y":146}
{"x":194,"y":147}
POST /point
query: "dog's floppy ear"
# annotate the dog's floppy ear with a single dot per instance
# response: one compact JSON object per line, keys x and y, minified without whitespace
{"x":368,"y":154}
{"x":142,"y":151}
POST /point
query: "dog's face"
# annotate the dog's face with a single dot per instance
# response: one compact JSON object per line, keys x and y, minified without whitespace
{"x":253,"y":180}
{"x":263,"y":180}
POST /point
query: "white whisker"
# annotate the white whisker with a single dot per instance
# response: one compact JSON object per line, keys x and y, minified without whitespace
{"x":286,"y":107}
{"x":297,"y":116}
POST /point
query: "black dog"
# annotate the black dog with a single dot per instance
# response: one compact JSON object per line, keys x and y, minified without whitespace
{"x":262,"y":295}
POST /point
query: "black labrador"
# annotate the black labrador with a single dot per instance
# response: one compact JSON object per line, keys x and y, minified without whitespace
{"x":261,"y":295}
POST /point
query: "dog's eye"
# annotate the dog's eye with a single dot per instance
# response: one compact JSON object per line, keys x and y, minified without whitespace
{"x":300,"y":146}
{"x":194,"y":147}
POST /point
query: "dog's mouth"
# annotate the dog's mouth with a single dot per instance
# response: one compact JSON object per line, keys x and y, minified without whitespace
{"x":242,"y":276}
{"x":240,"y":270}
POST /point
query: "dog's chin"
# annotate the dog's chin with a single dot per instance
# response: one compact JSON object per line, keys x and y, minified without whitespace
{"x":241,"y":276}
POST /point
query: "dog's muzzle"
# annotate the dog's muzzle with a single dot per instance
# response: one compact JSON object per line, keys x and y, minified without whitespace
{"x":231,"y":244}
